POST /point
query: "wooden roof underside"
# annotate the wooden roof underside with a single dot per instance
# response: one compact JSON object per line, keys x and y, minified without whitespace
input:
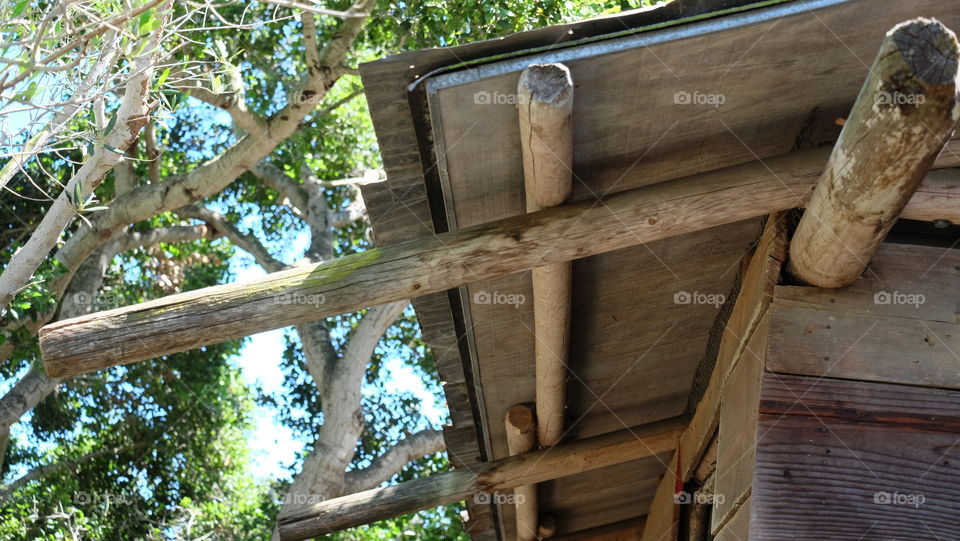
{"x":786,"y":72}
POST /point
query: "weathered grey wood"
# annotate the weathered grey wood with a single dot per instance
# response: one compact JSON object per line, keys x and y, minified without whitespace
{"x":760,"y":277}
{"x":545,"y":103}
{"x":838,"y":344}
{"x":427,"y":265}
{"x":449,"y":487}
{"x":839,"y":460}
{"x":906,"y":111}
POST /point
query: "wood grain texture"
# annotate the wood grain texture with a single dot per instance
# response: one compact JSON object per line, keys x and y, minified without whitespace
{"x":816,"y":342}
{"x":906,"y":111}
{"x":625,"y":530}
{"x":738,"y":527}
{"x":490,"y":477}
{"x":738,"y":430}
{"x":864,"y":469}
{"x":762,"y":272}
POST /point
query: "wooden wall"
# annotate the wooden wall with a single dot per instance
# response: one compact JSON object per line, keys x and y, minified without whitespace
{"x":842,"y":419}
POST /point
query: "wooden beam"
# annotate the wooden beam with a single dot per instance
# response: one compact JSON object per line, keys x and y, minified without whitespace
{"x":521,"y":429}
{"x":545,"y":105}
{"x":437,"y":263}
{"x":490,"y":477}
{"x":759,"y":281}
{"x":618,"y":531}
{"x":906,"y":111}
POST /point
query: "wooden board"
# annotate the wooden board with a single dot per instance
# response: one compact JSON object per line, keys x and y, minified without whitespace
{"x":629,"y":129}
{"x":738,"y":527}
{"x":738,"y":431}
{"x":898,"y":323}
{"x":840,"y":460}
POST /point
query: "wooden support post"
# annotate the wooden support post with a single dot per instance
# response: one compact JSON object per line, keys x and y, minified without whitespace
{"x":904,"y":114}
{"x":522,"y":438}
{"x":440,"y":262}
{"x":545,"y":98}
{"x":489,"y":477}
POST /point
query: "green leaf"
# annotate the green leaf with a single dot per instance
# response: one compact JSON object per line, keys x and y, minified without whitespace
{"x":163,"y":77}
{"x":18,"y":9}
{"x":77,"y":195}
{"x":111,"y":123}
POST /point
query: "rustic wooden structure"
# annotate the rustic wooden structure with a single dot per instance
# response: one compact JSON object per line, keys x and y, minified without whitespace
{"x":708,"y":389}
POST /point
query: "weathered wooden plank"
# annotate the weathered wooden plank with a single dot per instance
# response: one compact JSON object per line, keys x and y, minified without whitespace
{"x":760,"y":277}
{"x":837,"y":344}
{"x":738,"y":430}
{"x":426,"y":265}
{"x":841,"y":460}
{"x":738,"y":527}
{"x":490,"y":477}
{"x":918,"y":282}
{"x":625,"y":530}
{"x":905,"y":113}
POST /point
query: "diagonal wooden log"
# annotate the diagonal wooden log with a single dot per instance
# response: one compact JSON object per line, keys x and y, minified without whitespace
{"x":437,"y":263}
{"x":906,"y":111}
{"x":488,"y":478}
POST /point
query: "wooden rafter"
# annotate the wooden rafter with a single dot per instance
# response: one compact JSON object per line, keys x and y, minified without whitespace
{"x":438,"y":263}
{"x":488,"y":478}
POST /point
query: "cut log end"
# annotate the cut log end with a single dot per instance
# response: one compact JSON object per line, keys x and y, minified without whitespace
{"x":521,"y":419}
{"x":929,"y":50}
{"x":550,"y":84}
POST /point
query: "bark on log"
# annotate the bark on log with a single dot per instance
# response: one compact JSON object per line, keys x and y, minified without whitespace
{"x":545,"y":98}
{"x":487,"y":478}
{"x":904,"y":114}
{"x":521,"y":430}
{"x":421,"y":266}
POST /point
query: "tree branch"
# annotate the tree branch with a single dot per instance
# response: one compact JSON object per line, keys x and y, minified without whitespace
{"x":131,"y":116}
{"x":384,"y":467}
{"x":246,"y":242}
{"x":279,"y":181}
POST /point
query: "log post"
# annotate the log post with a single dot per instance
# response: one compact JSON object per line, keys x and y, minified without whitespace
{"x":903,"y":116}
{"x":522,"y":438}
{"x":545,"y":98}
{"x":449,"y":487}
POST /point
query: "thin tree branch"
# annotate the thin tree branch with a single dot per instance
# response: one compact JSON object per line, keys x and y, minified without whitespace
{"x":384,"y":467}
{"x":246,"y":242}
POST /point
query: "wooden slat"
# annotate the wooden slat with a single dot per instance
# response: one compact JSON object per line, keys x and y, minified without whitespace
{"x":624,"y":530}
{"x":738,"y":430}
{"x":449,"y":487}
{"x":738,"y":528}
{"x":839,"y":460}
{"x":851,"y":346}
{"x":759,"y":280}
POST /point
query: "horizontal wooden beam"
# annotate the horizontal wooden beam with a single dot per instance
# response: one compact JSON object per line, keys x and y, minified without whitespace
{"x":445,"y":488}
{"x":440,"y":262}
